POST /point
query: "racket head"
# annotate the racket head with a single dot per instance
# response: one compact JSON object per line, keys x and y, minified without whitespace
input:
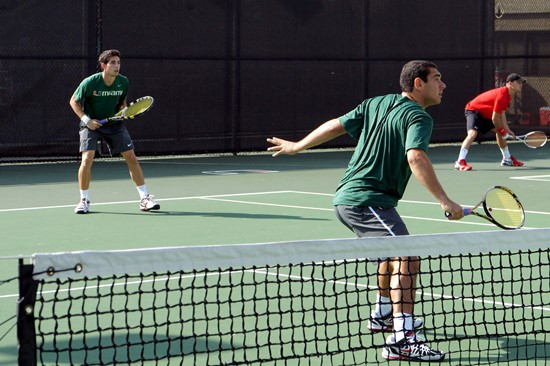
{"x":535,"y":139}
{"x":503,"y":207}
{"x":138,"y":107}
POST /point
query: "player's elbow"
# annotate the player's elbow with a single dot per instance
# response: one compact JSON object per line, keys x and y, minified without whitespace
{"x":416,"y":157}
{"x":334,"y":127}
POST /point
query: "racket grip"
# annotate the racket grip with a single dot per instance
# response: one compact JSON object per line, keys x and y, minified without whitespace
{"x":103,"y":121}
{"x":467,"y":211}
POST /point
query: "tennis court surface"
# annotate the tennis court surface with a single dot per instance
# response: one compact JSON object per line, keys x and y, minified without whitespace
{"x":245,"y":263}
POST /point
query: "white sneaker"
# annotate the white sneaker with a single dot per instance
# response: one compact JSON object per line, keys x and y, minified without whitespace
{"x":148,"y":203}
{"x":379,"y":323}
{"x":410,"y":348}
{"x":83,"y":207}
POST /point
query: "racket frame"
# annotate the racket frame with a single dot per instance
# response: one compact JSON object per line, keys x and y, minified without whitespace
{"x":121,"y":115}
{"x":523,"y":138}
{"x":488,"y":216}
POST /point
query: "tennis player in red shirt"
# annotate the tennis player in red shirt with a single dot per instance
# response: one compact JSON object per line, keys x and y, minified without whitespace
{"x":487,"y":112}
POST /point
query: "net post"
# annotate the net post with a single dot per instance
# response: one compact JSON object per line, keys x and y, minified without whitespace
{"x":26,"y":335}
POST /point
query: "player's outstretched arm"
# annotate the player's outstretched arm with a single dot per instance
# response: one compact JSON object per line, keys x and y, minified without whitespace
{"x":423,"y":170}
{"x":325,"y":132}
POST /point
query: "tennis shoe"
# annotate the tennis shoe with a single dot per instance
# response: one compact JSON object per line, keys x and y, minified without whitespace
{"x":380,"y":323}
{"x":83,"y":207}
{"x":462,"y":165}
{"x":410,"y":348}
{"x":511,"y":162}
{"x":148,"y":203}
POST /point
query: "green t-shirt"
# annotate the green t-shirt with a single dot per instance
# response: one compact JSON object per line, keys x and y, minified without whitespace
{"x":99,"y":100}
{"x":386,"y":127}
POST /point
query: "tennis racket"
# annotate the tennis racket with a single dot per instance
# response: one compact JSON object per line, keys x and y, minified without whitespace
{"x":133,"y":110}
{"x":533,"y":139}
{"x":501,"y":207}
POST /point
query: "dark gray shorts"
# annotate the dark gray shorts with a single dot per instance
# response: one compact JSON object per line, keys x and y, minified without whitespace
{"x":475,"y":121}
{"x":371,"y":221}
{"x":117,"y":138}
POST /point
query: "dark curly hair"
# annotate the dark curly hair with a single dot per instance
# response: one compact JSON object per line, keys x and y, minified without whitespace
{"x":106,"y":55}
{"x":412,"y":70}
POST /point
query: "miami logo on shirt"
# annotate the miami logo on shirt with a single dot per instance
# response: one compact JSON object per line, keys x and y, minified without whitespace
{"x":107,"y":93}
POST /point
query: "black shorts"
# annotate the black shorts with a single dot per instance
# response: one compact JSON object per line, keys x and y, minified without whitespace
{"x":116,"y":136}
{"x":371,"y":221}
{"x":475,"y":121}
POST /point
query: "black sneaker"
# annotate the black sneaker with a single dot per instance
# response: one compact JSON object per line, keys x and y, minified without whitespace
{"x":410,"y":348}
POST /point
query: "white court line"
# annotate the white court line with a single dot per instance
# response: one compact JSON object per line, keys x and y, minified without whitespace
{"x":331,"y":209}
{"x":534,"y":177}
{"x":267,"y":204}
{"x":134,"y":201}
{"x":212,"y":197}
{"x":239,"y":171}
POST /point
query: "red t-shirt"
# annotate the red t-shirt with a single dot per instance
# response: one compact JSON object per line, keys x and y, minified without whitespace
{"x":494,"y":100}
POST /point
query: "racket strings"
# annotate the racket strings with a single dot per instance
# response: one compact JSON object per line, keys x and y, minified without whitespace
{"x":535,"y":139}
{"x":138,"y":107}
{"x":504,"y":208}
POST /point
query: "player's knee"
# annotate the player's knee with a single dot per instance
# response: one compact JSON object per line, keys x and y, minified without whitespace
{"x":411,"y":265}
{"x":87,"y":161}
{"x":131,"y":159}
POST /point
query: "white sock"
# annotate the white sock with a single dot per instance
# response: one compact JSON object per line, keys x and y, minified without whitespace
{"x":462,"y":154}
{"x":383,"y":305}
{"x":142,"y":191}
{"x":505,"y":153}
{"x":402,"y":322}
{"x":84,"y":194}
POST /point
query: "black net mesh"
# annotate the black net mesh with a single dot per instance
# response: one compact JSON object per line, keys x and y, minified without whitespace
{"x":479,"y":309}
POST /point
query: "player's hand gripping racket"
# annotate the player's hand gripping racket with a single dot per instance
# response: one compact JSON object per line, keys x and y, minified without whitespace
{"x":533,"y":139}
{"x":501,"y":207}
{"x":133,"y":110}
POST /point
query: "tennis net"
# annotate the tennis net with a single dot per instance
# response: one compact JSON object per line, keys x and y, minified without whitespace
{"x":484,"y":298}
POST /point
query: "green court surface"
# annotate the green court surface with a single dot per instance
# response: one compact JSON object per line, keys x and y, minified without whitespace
{"x":238,"y":199}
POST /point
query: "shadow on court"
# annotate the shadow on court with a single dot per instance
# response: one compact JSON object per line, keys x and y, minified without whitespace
{"x":226,"y":215}
{"x":125,"y":348}
{"x":524,"y":349}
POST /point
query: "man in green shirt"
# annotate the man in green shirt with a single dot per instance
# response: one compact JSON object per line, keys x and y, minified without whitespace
{"x":97,"y":97}
{"x":393,"y":133}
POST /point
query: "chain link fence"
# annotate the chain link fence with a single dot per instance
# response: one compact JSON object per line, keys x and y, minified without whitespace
{"x":226,"y":74}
